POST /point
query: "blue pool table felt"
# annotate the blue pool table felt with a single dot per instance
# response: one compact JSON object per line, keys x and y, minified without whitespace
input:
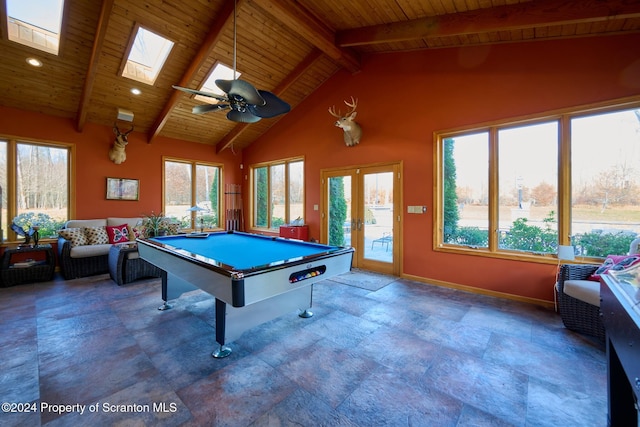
{"x":242,"y":251}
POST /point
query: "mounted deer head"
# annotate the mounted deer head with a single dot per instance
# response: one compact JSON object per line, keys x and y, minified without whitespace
{"x":117,"y":154}
{"x":352,"y":130}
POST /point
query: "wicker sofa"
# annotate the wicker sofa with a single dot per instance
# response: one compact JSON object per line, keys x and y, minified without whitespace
{"x":87,"y":259}
{"x":579,"y":300}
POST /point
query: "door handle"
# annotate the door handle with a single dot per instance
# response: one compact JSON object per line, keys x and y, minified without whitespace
{"x":359,"y":224}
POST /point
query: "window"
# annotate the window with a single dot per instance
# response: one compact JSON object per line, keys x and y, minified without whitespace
{"x":605,"y":182}
{"x":35,"y":23}
{"x":192,"y":193}
{"x":513,"y":189}
{"x":527,"y":187}
{"x":220,"y":71}
{"x":277,"y":193}
{"x":147,"y":56}
{"x":34,"y":180}
{"x":466,"y":189}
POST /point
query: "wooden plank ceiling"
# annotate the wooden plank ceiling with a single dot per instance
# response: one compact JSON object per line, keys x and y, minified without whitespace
{"x":289,"y":47}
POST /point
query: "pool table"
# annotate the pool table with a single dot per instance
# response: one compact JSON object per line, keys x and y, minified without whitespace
{"x":254,"y":278}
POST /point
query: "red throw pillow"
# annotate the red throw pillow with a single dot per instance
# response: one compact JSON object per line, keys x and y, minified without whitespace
{"x":118,"y":234}
{"x":615,"y":263}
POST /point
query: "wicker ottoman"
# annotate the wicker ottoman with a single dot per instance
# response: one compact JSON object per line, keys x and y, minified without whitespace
{"x":125,"y":265}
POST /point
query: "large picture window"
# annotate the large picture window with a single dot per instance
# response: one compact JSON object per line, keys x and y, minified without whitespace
{"x":522,"y":188}
{"x":605,"y":182}
{"x":277,"y":193}
{"x":35,"y":186}
{"x":192,"y":193}
{"x":527,"y":187}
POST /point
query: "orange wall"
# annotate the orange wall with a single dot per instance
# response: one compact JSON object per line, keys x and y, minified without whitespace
{"x":405,"y":97}
{"x":144,"y":161}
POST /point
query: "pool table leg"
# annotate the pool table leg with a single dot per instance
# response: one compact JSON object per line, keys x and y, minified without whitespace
{"x":221,"y":317}
{"x":307,"y":313}
{"x":165,"y":297}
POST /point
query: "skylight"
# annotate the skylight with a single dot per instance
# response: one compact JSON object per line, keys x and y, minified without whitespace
{"x":147,"y":56}
{"x":35,"y":23}
{"x":220,"y":71}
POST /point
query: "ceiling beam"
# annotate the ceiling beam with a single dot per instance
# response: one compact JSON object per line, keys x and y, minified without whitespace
{"x":501,"y":18}
{"x":225,"y":16}
{"x":291,"y":78}
{"x":4,"y":30}
{"x":92,"y":69}
{"x":307,"y":26}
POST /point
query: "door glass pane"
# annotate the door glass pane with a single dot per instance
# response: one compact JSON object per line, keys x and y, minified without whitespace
{"x":466,"y":190}
{"x":339,"y":211}
{"x":177,"y":192}
{"x":278,"y":201}
{"x":3,"y":191}
{"x":528,"y":177}
{"x":42,"y":187}
{"x":378,"y":216}
{"x":296,"y":191}
{"x":207,"y":195}
{"x":605,"y":180}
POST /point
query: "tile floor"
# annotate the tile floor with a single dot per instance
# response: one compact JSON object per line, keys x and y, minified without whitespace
{"x":388,"y":353}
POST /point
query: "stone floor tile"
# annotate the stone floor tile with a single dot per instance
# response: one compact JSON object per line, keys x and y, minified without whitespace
{"x":386,"y":351}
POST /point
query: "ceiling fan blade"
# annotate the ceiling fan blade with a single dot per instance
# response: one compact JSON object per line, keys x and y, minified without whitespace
{"x":205,"y":108}
{"x":273,"y":106}
{"x":242,"y":89}
{"x":242,"y":117}
{"x":201,"y":93}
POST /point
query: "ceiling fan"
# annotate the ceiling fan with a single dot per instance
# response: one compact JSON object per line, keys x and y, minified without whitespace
{"x":247,"y":104}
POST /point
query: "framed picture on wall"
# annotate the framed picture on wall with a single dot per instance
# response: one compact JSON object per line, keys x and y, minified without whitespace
{"x":123,"y":189}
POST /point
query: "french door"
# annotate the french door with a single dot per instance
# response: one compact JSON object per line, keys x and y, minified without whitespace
{"x":361,"y":209}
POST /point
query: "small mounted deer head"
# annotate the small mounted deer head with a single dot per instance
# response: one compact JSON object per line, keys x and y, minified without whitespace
{"x":117,"y":154}
{"x":352,"y":130}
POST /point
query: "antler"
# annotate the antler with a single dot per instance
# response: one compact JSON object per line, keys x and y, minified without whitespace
{"x":117,"y":131}
{"x":332,"y":111}
{"x":353,"y":104}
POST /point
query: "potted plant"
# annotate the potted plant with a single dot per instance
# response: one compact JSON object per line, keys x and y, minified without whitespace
{"x":154,"y":224}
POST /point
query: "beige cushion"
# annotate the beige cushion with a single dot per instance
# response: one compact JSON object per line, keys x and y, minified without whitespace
{"x":584,"y":290}
{"x":119,"y":221}
{"x":74,"y":235}
{"x":135,"y":232}
{"x":173,"y":228}
{"x":96,"y":235}
{"x":79,"y":223}
{"x":89,"y":250}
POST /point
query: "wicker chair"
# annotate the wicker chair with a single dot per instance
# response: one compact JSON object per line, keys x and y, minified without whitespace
{"x":125,"y":265}
{"x":576,"y":314}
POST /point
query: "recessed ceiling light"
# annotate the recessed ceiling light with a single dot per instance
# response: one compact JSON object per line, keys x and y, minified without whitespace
{"x":35,"y":62}
{"x":136,"y":91}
